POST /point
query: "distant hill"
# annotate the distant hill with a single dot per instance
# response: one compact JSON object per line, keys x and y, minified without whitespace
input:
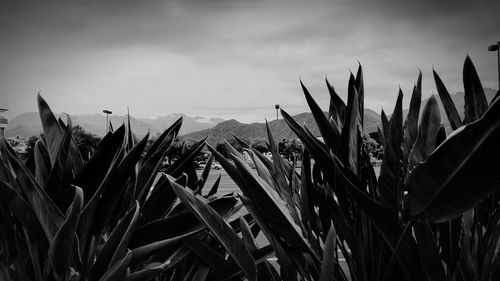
{"x":280,"y":130}
{"x":28,"y":124}
{"x":189,"y":124}
{"x":226,"y":130}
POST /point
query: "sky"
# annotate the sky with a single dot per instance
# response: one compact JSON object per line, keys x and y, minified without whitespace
{"x":234,"y":59}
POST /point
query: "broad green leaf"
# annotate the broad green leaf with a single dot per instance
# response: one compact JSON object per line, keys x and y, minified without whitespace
{"x":278,"y":174}
{"x":411,"y":123}
{"x":153,"y":160}
{"x":220,"y":229}
{"x":274,"y":210}
{"x":61,"y":246}
{"x":142,"y":252}
{"x":450,"y":233}
{"x":159,"y":202}
{"x":429,"y":252}
{"x":121,"y":248}
{"x":147,"y":172}
{"x":206,"y":172}
{"x":350,"y":139}
{"x":425,"y":143}
{"x":232,"y":269}
{"x":449,"y":106}
{"x":153,"y":270}
{"x":232,"y":171}
{"x":42,"y":163}
{"x":53,"y":134}
{"x":389,"y":184}
{"x":247,"y":236}
{"x":337,"y":107}
{"x":329,"y":262}
{"x":475,"y":99}
{"x":185,"y":163}
{"x":115,"y":247}
{"x":317,"y":151}
{"x":468,"y":260}
{"x":263,"y":168}
{"x":161,"y":143}
{"x":241,"y":142}
{"x":48,"y":214}
{"x":385,"y":123}
{"x":305,"y":202}
{"x":22,"y":211}
{"x":489,"y":270}
{"x":130,"y":137}
{"x":178,"y":224}
{"x":497,"y":95}
{"x":361,"y":95}
{"x":330,"y":135}
{"x":442,"y":187}
{"x":119,"y":269}
{"x":113,"y":186}
{"x":61,"y":174}
{"x":210,"y":256}
{"x":386,"y":222}
{"x":215,"y":187}
{"x":198,"y":272}
{"x":388,"y":272}
{"x":95,"y":170}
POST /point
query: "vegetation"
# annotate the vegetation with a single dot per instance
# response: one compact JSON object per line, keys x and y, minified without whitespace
{"x":432,"y":214}
{"x":111,"y":217}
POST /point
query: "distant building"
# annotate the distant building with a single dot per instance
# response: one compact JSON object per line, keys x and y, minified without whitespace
{"x":3,"y":122}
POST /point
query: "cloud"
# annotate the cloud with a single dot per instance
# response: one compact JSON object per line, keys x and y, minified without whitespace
{"x":234,"y":59}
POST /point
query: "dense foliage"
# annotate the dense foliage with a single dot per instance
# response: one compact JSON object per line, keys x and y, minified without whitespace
{"x":112,"y":217}
{"x":432,"y":213}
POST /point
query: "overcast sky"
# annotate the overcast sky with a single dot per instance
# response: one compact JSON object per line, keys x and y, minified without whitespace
{"x":234,"y":59}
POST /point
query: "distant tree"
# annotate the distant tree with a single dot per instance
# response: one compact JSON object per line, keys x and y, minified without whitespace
{"x":290,"y":148}
{"x":221,"y":148}
{"x":85,"y":141}
{"x":149,"y":143}
{"x":373,"y":148}
{"x":259,"y":145}
{"x":30,"y":143}
{"x":175,"y":150}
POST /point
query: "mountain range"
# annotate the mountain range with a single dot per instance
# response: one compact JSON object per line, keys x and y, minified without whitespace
{"x":28,"y":124}
{"x":215,"y":129}
{"x":280,"y":130}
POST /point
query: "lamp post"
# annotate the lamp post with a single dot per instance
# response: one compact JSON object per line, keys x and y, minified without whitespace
{"x":277,"y":106}
{"x":107,"y":112}
{"x":493,"y":48}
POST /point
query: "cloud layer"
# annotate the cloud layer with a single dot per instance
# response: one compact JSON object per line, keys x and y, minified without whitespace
{"x":233,"y":59}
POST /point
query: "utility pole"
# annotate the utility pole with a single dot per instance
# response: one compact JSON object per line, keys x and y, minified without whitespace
{"x":493,"y":48}
{"x":277,"y":106}
{"x":107,"y":112}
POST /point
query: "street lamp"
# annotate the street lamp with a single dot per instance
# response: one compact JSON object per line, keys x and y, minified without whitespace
{"x":493,"y":48}
{"x":107,"y":112}
{"x":277,"y":106}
